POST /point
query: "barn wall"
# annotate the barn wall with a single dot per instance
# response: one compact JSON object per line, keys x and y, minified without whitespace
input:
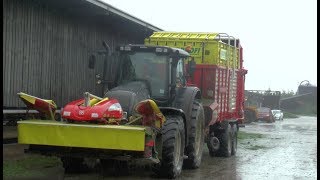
{"x":45,"y":52}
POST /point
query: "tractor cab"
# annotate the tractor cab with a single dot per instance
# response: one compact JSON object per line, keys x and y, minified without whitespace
{"x":161,"y":68}
{"x":151,"y":72}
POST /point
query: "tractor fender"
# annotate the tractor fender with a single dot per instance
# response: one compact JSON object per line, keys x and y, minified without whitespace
{"x":185,"y":96}
{"x":174,"y":111}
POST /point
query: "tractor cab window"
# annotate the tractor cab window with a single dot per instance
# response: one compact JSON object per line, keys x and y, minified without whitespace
{"x":180,"y":73}
{"x":128,"y":72}
{"x":180,"y":68}
{"x":148,"y":67}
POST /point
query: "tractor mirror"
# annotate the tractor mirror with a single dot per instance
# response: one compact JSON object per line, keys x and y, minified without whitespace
{"x":92,"y":61}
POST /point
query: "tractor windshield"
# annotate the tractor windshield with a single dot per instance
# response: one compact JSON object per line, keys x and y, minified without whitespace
{"x":146,"y":66}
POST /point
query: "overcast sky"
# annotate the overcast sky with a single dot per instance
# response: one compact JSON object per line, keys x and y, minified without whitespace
{"x":278,"y":36}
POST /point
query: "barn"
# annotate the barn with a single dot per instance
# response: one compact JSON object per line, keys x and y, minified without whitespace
{"x":47,"y":44}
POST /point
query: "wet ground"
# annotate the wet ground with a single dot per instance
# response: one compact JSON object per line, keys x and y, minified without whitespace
{"x":287,"y":150}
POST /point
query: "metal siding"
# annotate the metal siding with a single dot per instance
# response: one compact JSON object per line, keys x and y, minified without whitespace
{"x":46,"y":52}
{"x":17,"y":60}
{"x":5,"y":47}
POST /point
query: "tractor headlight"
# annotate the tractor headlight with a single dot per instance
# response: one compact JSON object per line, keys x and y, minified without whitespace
{"x":115,"y":107}
{"x":66,"y":113}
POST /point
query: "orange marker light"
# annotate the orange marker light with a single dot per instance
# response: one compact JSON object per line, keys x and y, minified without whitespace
{"x":188,"y":48}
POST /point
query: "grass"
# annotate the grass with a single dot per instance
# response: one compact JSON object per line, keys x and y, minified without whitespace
{"x":28,"y":166}
{"x":306,"y":114}
{"x":305,"y":106}
{"x":256,"y":147}
{"x":288,"y":115}
{"x":244,"y":136}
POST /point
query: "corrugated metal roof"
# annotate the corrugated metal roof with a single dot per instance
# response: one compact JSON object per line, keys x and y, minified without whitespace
{"x":123,"y":14}
{"x":103,"y":13}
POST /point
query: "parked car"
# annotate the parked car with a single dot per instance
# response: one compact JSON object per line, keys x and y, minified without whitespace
{"x":265,"y":114}
{"x":277,"y":114}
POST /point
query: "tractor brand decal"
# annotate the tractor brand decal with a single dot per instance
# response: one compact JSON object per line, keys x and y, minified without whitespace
{"x":81,"y":112}
{"x":194,"y":50}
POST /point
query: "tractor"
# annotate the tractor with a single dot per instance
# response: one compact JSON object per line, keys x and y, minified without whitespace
{"x":145,"y":113}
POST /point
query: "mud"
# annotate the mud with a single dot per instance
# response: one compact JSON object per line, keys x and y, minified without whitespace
{"x":288,"y":150}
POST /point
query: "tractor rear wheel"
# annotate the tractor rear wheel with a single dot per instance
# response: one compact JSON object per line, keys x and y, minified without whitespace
{"x":225,"y":139}
{"x":234,"y":139}
{"x":196,"y":137}
{"x":173,"y":144}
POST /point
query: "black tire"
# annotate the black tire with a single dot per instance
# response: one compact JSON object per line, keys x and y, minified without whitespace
{"x":234,"y":139}
{"x":173,"y":144}
{"x":225,"y":139}
{"x":212,"y":153}
{"x":73,"y":165}
{"x":196,"y":137}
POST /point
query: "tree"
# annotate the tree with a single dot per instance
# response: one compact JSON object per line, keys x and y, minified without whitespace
{"x":288,"y":93}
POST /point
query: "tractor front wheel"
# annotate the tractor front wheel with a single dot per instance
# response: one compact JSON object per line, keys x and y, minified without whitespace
{"x":234,"y":139}
{"x":196,"y":137}
{"x":173,"y":144}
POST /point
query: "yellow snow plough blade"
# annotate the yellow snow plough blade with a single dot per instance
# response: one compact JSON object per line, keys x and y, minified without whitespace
{"x":54,"y":133}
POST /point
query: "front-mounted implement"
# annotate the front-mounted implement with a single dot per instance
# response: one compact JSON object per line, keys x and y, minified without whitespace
{"x":45,"y":107}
